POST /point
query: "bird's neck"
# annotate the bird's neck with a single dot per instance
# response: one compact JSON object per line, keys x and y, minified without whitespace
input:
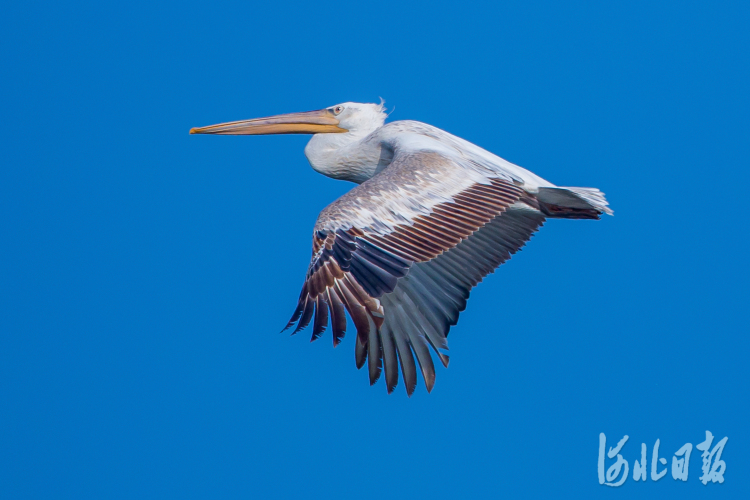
{"x":350,"y":156}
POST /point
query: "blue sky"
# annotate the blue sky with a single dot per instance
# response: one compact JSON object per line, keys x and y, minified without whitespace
{"x":145,"y":273}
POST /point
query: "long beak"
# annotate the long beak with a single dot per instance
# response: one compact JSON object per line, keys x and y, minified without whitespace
{"x":311,"y":122}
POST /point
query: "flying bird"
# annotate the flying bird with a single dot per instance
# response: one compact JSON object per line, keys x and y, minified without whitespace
{"x":431,"y":216}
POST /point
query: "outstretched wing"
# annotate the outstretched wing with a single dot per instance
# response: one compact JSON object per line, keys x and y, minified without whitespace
{"x":401,"y":252}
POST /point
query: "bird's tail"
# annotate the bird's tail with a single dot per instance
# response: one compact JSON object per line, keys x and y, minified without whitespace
{"x":573,"y":202}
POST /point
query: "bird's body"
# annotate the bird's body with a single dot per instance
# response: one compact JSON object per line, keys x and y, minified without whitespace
{"x":432,"y":215}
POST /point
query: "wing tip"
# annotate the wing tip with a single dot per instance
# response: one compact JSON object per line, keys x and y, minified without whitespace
{"x":429,"y":383}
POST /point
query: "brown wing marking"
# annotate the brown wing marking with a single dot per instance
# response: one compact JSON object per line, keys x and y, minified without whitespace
{"x":352,"y":269}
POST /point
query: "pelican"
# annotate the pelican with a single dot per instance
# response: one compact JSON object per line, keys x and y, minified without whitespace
{"x":431,"y":216}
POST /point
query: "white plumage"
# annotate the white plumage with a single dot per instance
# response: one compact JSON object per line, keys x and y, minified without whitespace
{"x":432,"y":215}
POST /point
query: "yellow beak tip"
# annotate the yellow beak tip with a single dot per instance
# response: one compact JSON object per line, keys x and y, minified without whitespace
{"x":193,"y":130}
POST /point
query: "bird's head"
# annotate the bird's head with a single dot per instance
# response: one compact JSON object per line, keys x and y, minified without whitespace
{"x":336,"y":131}
{"x":358,"y":118}
{"x":349,"y":117}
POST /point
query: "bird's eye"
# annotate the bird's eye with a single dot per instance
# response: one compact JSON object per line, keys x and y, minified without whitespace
{"x":338,"y":109}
